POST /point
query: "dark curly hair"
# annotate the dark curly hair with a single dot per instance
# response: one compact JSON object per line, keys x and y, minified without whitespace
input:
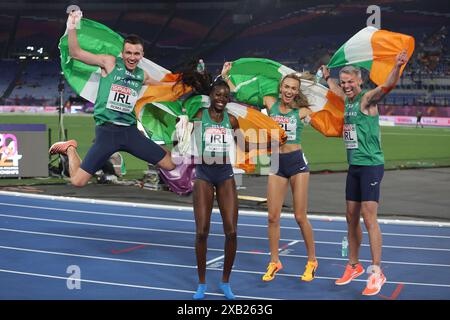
{"x":218,"y":82}
{"x":200,"y":82}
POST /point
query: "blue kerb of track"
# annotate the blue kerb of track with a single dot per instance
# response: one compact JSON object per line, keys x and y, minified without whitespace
{"x":54,"y":248}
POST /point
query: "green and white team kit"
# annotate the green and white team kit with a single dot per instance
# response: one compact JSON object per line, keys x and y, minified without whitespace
{"x":121,"y":98}
{"x":117,"y":95}
{"x":361,"y":134}
{"x":290,"y":122}
{"x":217,"y":137}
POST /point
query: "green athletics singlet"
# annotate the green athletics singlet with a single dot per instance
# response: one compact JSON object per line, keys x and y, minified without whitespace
{"x":117,"y":95}
{"x":361,"y":135}
{"x":217,"y":138}
{"x":290,"y":122}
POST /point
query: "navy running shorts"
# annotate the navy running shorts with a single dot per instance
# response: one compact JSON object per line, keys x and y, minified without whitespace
{"x":110,"y":138}
{"x":291,"y":163}
{"x":215,"y":174}
{"x":363,"y":183}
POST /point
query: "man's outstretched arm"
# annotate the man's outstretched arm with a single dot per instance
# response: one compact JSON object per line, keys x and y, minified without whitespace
{"x":376,"y":95}
{"x":106,"y":62}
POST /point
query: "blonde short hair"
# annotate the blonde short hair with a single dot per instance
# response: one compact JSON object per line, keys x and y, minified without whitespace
{"x":351,"y":70}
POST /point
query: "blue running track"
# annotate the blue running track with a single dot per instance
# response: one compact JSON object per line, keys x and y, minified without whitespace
{"x":135,"y":252}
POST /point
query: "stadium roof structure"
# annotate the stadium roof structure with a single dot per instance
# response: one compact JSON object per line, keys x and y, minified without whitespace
{"x":175,"y":31}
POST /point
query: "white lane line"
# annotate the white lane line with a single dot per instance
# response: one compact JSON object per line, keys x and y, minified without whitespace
{"x":415,"y":134}
{"x":333,"y":278}
{"x":118,"y":284}
{"x":100,"y":213}
{"x":97,"y":257}
{"x":100,"y":239}
{"x":97,"y":239}
{"x":211,"y":249}
{"x":290,"y":244}
{"x":189,"y":208}
{"x":215,"y":259}
{"x":193,"y":233}
{"x":192,"y":267}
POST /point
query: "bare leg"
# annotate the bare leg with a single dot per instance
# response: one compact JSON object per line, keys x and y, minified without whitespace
{"x":228,"y":204}
{"x":299,"y":185}
{"x":203,"y":203}
{"x":369,"y":211}
{"x":354,"y":230}
{"x":166,"y":162}
{"x":78,"y":177}
{"x":276,"y":192}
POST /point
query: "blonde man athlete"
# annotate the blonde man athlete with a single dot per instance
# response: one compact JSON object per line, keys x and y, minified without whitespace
{"x":366,"y":166}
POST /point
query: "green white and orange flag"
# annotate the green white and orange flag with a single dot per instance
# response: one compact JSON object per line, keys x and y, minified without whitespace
{"x":257,"y":128}
{"x":99,"y":39}
{"x":163,"y":115}
{"x":158,"y":106}
{"x":255,"y":78}
{"x":374,"y":50}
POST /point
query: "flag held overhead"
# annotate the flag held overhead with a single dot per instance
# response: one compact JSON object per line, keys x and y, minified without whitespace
{"x":256,"y":78}
{"x":84,"y":79}
{"x":374,"y":50}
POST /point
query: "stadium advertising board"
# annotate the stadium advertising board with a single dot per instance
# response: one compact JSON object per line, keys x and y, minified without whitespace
{"x":23,"y":150}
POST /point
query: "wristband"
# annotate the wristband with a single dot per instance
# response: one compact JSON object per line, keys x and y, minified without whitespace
{"x":386,"y":90}
{"x":73,"y":21}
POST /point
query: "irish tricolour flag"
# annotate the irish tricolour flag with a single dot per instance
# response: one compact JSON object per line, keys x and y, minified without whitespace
{"x":99,"y":39}
{"x":255,"y":78}
{"x":374,"y":50}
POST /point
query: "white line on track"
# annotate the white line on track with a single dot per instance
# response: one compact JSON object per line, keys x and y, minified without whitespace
{"x":189,"y":208}
{"x":215,"y":259}
{"x":357,"y":280}
{"x":414,"y":134}
{"x":99,"y":213}
{"x":194,"y":267}
{"x":212,"y":249}
{"x":118,"y":284}
{"x":290,"y":244}
{"x":192,"y":233}
{"x":331,"y":218}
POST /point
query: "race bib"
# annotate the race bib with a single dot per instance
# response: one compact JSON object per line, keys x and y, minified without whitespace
{"x":350,"y":136}
{"x":217,"y":140}
{"x":289,"y":125}
{"x":121,"y":99}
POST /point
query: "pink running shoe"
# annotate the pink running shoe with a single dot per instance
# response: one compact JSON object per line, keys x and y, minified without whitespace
{"x":350,"y":274}
{"x":61,"y":147}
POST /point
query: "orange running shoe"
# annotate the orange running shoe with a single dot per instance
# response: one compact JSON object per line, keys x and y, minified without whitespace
{"x":61,"y":147}
{"x":350,"y":274}
{"x":310,"y":271}
{"x":374,"y":284}
{"x":272,"y":269}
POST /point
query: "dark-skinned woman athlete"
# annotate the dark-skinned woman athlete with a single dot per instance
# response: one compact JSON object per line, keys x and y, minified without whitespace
{"x":214,"y":172}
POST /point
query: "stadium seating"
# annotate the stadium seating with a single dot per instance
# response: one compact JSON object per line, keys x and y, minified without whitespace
{"x":302,"y":37}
